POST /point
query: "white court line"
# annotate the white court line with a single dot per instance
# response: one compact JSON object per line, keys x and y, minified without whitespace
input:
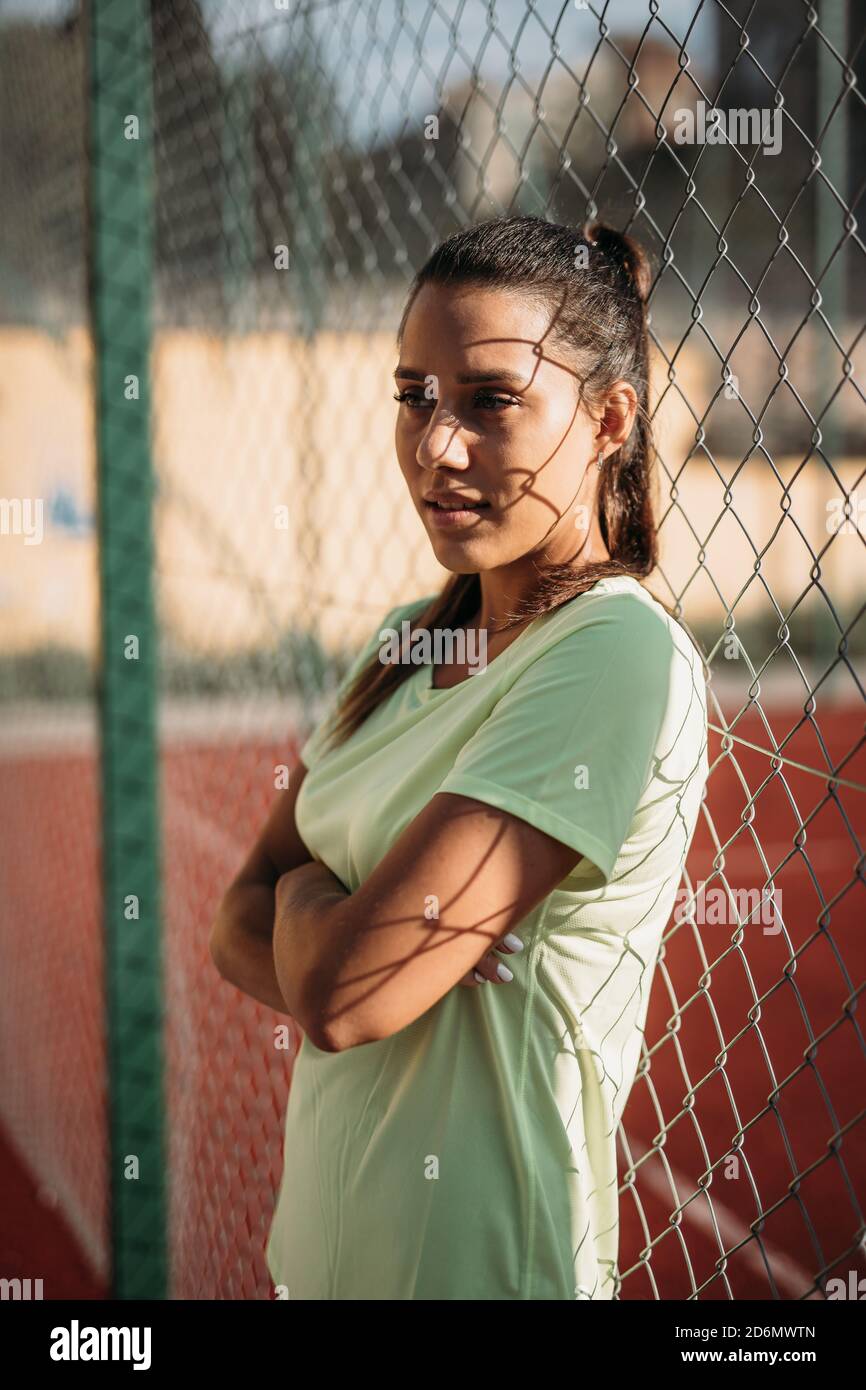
{"x":787,"y":1273}
{"x":51,"y":728}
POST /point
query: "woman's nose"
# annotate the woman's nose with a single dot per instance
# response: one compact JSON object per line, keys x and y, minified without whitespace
{"x":442,"y":441}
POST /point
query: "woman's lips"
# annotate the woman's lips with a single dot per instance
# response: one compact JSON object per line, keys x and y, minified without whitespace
{"x":445,"y":517}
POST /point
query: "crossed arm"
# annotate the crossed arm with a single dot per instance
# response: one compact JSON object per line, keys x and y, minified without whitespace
{"x":355,"y":968}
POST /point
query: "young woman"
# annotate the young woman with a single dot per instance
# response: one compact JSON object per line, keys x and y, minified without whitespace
{"x":451,"y":1125}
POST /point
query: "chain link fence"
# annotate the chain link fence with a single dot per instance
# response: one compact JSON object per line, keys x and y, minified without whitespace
{"x":306,"y":158}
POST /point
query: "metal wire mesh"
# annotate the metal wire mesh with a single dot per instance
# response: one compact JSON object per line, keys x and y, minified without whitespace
{"x":308,"y":157}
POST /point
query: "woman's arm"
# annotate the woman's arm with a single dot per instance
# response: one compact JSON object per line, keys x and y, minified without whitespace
{"x":555,"y":773}
{"x":356,"y":968}
{"x":242,"y":944}
{"x":241,"y":939}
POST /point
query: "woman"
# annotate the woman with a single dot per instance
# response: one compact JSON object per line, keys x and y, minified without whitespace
{"x":459,"y":1143}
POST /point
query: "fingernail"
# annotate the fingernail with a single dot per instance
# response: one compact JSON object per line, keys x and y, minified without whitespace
{"x":512,"y":942}
{"x":482,"y":979}
{"x":504,"y":973}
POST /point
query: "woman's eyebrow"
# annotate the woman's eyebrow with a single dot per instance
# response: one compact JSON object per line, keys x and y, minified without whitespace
{"x":465,"y":378}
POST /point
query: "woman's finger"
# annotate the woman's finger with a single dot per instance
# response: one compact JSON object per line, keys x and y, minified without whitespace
{"x":494,"y":970}
{"x":487,"y":968}
{"x":485,"y":972}
{"x":509,"y":944}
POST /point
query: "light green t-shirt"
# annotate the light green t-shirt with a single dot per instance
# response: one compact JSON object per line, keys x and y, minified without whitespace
{"x":472,"y":1155}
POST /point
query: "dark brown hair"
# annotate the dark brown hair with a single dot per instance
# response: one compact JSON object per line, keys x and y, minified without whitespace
{"x":596,"y":283}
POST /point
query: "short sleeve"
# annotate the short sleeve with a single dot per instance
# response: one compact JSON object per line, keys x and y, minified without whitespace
{"x":312,"y":749}
{"x":570,"y":746}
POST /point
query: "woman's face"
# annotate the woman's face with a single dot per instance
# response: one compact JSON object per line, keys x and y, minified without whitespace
{"x":493,"y":412}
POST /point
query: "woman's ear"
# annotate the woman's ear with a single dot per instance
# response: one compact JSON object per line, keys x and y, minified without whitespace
{"x":618,"y":416}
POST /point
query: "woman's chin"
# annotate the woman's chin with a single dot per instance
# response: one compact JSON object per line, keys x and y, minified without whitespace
{"x":461,"y":557}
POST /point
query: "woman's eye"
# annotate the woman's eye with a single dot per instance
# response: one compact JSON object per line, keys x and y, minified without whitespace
{"x":491,"y":396}
{"x":416,"y":400}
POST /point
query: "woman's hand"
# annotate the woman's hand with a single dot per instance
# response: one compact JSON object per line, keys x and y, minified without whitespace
{"x":490,"y":965}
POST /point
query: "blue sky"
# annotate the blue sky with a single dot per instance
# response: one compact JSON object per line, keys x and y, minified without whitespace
{"x":386,"y":58}
{"x":375,"y":47}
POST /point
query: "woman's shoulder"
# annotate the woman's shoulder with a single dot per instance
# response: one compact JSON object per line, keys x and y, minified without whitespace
{"x":635,"y":647}
{"x":622,"y":609}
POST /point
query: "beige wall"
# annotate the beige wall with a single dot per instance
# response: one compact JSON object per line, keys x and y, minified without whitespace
{"x":47,"y":591}
{"x":244,"y":427}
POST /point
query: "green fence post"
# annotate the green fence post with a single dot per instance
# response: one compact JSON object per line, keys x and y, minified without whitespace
{"x":120,"y":255}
